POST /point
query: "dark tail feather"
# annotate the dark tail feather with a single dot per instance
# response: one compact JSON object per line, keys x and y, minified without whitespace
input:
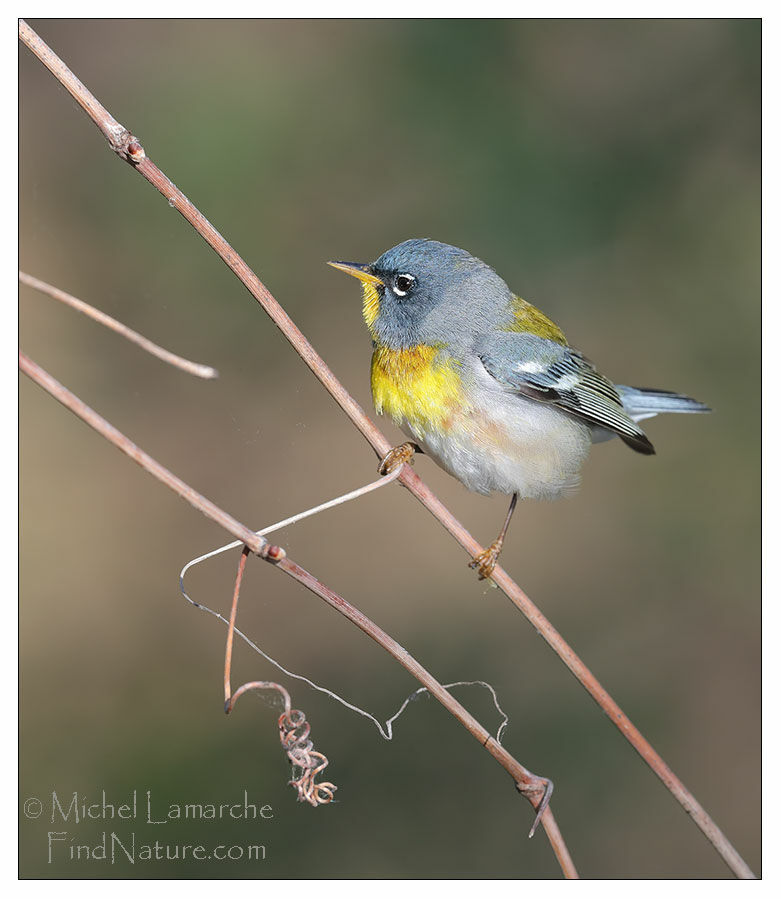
{"x":639,"y":443}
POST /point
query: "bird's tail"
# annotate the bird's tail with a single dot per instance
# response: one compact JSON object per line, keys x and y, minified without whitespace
{"x":642,"y":403}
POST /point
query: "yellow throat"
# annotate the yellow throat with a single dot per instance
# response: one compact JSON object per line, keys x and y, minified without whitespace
{"x":412,"y":384}
{"x":416,"y":386}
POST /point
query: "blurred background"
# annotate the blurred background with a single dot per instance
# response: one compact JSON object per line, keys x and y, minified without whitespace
{"x":609,"y":170}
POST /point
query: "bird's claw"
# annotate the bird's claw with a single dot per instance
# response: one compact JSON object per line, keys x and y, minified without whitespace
{"x":485,"y":562}
{"x":398,"y":456}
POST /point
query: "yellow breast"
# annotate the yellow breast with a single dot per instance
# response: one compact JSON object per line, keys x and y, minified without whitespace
{"x":416,"y":385}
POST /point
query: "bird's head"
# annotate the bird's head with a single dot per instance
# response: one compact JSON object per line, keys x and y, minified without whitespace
{"x":426,"y":292}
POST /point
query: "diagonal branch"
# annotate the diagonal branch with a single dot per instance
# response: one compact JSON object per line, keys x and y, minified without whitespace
{"x":192,"y":368}
{"x":536,"y":789}
{"x":130,"y":149}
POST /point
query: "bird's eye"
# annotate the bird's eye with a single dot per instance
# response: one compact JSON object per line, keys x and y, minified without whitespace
{"x":402,"y":284}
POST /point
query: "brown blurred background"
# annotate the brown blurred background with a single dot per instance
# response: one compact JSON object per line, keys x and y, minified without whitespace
{"x":609,"y":171}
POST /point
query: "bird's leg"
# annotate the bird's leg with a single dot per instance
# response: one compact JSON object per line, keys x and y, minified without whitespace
{"x":398,"y":456}
{"x":485,"y":562}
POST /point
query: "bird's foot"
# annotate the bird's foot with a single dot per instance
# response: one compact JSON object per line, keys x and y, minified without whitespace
{"x":485,"y":562}
{"x":397,"y":456}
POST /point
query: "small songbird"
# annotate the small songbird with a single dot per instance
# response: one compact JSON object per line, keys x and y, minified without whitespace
{"x":484,"y":383}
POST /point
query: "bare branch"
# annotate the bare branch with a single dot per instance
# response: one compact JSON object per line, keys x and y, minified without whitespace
{"x":117,"y":136}
{"x":193,"y":368}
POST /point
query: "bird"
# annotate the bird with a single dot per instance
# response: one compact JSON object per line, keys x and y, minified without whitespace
{"x":485,"y":383}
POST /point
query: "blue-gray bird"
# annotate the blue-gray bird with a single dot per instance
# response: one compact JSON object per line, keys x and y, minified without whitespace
{"x":486,"y":384}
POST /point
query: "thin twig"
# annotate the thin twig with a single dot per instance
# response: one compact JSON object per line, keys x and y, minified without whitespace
{"x":232,"y":628}
{"x":114,"y":133}
{"x":193,"y":368}
{"x":293,"y":519}
{"x":129,"y":148}
{"x":536,"y":789}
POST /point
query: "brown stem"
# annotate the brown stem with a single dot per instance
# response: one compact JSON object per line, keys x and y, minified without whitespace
{"x":192,"y":368}
{"x":232,"y":628}
{"x":114,"y":133}
{"x":536,"y":789}
{"x":129,"y":149}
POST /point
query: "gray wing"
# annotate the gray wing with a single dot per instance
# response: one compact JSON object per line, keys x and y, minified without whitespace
{"x":550,"y":373}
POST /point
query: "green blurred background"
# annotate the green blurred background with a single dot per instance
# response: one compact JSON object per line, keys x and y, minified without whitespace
{"x":610,"y":171}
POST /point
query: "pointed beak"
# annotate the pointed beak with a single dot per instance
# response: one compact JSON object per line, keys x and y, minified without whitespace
{"x":358,"y":270}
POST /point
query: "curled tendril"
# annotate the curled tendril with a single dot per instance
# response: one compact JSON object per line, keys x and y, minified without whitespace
{"x":307,"y":763}
{"x":294,"y":732}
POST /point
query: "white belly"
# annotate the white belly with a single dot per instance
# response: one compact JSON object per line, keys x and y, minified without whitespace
{"x":509,"y":444}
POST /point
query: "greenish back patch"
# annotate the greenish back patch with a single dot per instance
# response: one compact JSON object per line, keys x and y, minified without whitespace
{"x":528,"y":319}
